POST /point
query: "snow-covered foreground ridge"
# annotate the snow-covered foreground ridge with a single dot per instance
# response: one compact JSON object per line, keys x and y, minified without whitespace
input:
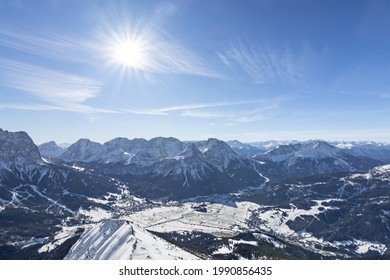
{"x":123,"y":240}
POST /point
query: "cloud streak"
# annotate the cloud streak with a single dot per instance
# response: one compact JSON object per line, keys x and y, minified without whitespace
{"x":185,"y":107}
{"x":171,"y":57}
{"x":264,"y":64}
{"x":47,"y":44}
{"x":228,"y":112}
{"x":203,"y":105}
{"x":77,"y":108}
{"x":58,"y":90}
{"x":46,"y":84}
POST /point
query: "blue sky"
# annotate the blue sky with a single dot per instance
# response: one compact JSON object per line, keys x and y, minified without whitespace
{"x":246,"y":70}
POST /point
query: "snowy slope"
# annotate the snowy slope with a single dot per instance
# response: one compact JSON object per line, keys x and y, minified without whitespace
{"x":216,"y":218}
{"x":217,"y":152}
{"x":348,"y":215}
{"x":310,"y":149}
{"x":122,"y":240}
{"x":50,"y":149}
{"x":272,"y":144}
{"x":83,"y":150}
{"x":312,"y":158}
{"x":374,"y":150}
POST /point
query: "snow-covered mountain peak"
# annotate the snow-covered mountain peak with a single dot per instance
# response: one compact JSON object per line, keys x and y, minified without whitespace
{"x":17,"y":149}
{"x":272,"y":144}
{"x":143,"y":153}
{"x":236,"y":144}
{"x":123,"y":240}
{"x":84,"y":150}
{"x":217,"y":152}
{"x":120,"y":142}
{"x":374,"y":150}
{"x":245,"y":149}
{"x":317,"y":149}
{"x":169,"y":147}
{"x":50,"y":149}
{"x":160,"y":148}
{"x":383,"y":169}
{"x":282,"y":152}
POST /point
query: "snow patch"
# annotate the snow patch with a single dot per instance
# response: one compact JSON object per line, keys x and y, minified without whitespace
{"x":60,"y":237}
{"x":364,"y":246}
{"x":382,"y":169}
{"x":96,"y":214}
{"x":269,"y":239}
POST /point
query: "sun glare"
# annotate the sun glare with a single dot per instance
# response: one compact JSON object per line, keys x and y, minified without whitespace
{"x":130,"y":53}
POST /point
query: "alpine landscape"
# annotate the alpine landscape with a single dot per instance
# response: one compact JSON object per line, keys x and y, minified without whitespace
{"x":194,"y":130}
{"x":168,"y":199}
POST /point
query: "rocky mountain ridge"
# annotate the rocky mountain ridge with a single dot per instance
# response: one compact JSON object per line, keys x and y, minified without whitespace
{"x":312,"y":199}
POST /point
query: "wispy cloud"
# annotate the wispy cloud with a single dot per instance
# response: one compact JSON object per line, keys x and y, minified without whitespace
{"x":185,"y":107}
{"x":58,"y":90}
{"x":228,"y":112}
{"x":31,"y":107}
{"x":234,"y":116}
{"x":258,"y":114}
{"x":47,"y":84}
{"x":202,"y":114}
{"x":265,"y":64}
{"x":146,"y":112}
{"x":78,"y":108}
{"x":171,"y":57}
{"x":203,"y":105}
{"x":47,"y":44}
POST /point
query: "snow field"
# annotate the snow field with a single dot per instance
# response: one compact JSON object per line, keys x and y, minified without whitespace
{"x":219,"y":219}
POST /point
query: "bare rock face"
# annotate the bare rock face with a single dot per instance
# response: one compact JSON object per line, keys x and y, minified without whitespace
{"x":17,"y":150}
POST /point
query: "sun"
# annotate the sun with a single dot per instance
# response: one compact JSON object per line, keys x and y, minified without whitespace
{"x":130,"y":53}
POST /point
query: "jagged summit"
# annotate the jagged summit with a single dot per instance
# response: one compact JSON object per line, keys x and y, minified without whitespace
{"x":217,"y":152}
{"x":245,"y":149}
{"x":84,"y":150}
{"x":17,"y":149}
{"x":121,"y":142}
{"x":312,"y":149}
{"x":314,"y":157}
{"x":190,"y":151}
{"x":165,"y":167}
{"x":98,"y":199}
{"x":51,"y":149}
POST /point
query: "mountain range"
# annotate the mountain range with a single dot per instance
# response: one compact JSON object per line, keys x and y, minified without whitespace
{"x":274,"y":199}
